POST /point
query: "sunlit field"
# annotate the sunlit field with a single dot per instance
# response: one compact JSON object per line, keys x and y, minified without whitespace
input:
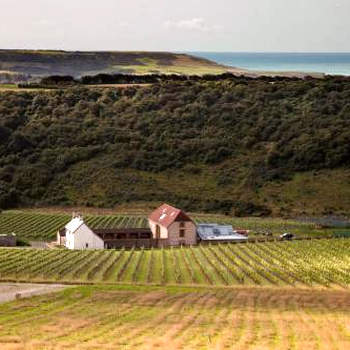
{"x":178,"y":318}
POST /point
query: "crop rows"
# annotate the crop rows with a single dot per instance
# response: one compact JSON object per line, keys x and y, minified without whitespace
{"x":99,"y":317}
{"x":43,"y":227}
{"x":308,"y":263}
{"x":38,"y":227}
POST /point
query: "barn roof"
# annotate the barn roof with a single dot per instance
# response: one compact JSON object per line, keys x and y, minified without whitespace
{"x":215,"y":232}
{"x":74,"y":224}
{"x":165,"y":215}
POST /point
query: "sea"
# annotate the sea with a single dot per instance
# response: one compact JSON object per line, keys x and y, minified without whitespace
{"x":328,"y":63}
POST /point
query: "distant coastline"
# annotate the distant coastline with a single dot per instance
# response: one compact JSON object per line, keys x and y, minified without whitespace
{"x":323,"y":63}
{"x":30,"y":65}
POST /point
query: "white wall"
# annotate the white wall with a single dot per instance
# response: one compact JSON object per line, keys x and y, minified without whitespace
{"x":82,"y":236}
{"x":163,"y":230}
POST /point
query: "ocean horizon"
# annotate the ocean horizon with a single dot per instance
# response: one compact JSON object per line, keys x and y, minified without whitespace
{"x":331,"y":63}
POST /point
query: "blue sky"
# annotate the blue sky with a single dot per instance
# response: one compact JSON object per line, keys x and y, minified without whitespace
{"x":181,"y":25}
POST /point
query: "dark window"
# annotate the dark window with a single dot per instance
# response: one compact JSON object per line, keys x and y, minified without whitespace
{"x":157,"y":231}
{"x":182,"y":224}
{"x":86,"y":245}
{"x":182,"y":233}
{"x":145,"y":235}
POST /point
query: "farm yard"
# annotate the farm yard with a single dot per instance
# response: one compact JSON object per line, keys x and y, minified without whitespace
{"x":39,"y":226}
{"x":122,"y":317}
{"x":300,"y":263}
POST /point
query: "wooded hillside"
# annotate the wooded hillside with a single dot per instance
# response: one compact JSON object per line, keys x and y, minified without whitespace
{"x":238,"y":145}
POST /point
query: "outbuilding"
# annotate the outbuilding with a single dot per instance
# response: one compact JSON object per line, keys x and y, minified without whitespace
{"x":8,"y":240}
{"x":171,"y":226}
{"x":79,"y":236}
{"x":208,"y":233}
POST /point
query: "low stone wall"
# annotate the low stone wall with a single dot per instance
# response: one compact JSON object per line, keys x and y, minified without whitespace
{"x":7,"y":241}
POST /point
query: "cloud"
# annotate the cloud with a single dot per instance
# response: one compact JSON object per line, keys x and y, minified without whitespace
{"x":124,"y":24}
{"x":194,"y":24}
{"x":44,"y":22}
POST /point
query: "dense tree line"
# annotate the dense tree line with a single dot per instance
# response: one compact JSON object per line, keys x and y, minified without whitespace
{"x":272,"y":129}
{"x":55,"y":81}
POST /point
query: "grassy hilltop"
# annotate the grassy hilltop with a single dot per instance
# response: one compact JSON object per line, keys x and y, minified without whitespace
{"x":44,"y":63}
{"x":30,"y":65}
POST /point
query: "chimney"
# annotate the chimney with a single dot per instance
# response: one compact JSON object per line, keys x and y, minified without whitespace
{"x":77,"y":215}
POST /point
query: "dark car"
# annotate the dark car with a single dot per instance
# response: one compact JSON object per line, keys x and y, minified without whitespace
{"x":287,"y":236}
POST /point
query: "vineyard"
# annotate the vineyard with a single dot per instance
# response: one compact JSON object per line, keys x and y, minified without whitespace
{"x":101,"y":317}
{"x":299,"y":263}
{"x":41,"y":226}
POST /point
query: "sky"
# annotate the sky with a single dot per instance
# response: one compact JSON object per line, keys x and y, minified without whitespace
{"x":181,"y":25}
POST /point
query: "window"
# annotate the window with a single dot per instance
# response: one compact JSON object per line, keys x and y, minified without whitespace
{"x":182,"y":224}
{"x":157,"y":232}
{"x":86,"y":245}
{"x":145,"y":235}
{"x":182,"y":233}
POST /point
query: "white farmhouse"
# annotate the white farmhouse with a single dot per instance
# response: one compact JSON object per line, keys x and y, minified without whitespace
{"x":79,"y":236}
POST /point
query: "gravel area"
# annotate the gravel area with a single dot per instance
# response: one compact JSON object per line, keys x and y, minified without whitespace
{"x":39,"y":245}
{"x":12,"y":291}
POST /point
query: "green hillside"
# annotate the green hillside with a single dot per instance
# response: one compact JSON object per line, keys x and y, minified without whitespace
{"x":16,"y":64}
{"x":236,"y":146}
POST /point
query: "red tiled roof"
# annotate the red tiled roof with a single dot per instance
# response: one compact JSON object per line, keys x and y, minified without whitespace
{"x":165,"y":215}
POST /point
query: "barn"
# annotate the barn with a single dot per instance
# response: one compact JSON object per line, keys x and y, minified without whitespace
{"x":172,"y":227}
{"x":78,"y":235}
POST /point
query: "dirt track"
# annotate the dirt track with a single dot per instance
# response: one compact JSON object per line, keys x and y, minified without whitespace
{"x":12,"y":291}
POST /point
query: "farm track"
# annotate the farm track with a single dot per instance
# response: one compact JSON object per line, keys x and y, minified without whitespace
{"x":162,"y":317}
{"x":321,"y":263}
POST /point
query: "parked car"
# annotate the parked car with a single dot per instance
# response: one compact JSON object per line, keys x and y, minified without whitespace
{"x":287,"y":236}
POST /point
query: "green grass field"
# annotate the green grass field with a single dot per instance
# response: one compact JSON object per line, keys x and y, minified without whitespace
{"x":123,"y":317}
{"x":300,"y":263}
{"x":43,"y":226}
{"x":4,"y":87}
{"x":183,"y":66}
